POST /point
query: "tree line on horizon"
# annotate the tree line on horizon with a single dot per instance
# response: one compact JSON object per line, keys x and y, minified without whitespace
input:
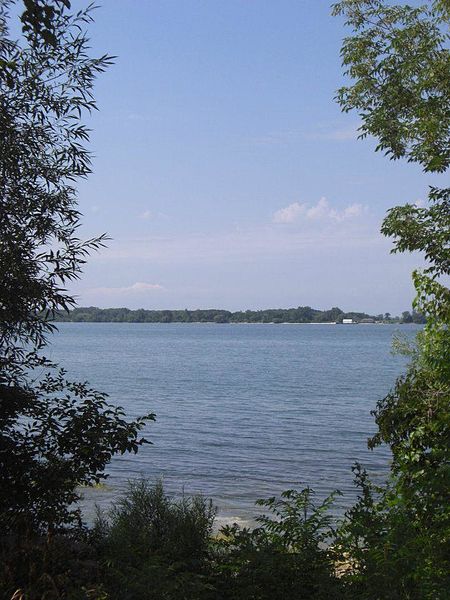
{"x":301,"y":314}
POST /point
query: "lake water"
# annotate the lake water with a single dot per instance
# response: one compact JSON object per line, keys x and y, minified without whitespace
{"x":243,"y":411}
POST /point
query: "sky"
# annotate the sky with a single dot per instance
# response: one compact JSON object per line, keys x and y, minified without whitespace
{"x":225,"y":173}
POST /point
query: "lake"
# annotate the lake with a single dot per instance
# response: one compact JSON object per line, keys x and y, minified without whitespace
{"x":243,"y":411}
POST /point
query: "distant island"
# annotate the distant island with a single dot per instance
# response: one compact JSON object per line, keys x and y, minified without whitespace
{"x":301,"y":314}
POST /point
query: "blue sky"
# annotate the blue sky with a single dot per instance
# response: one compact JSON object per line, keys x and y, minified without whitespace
{"x":225,"y":173}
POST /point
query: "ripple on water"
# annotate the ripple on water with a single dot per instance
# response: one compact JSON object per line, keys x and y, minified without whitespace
{"x":243,"y":411}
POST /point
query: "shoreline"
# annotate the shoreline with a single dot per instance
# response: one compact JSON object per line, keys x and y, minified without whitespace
{"x":221,"y":324}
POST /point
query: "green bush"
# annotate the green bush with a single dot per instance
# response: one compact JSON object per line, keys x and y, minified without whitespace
{"x":288,"y":556}
{"x":155,"y":547}
{"x":49,"y":568}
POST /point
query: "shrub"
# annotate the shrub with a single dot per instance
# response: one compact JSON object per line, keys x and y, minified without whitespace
{"x":153,"y":546}
{"x":288,"y":556}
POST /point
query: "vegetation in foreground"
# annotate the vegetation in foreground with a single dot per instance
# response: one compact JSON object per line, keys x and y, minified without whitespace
{"x":149,"y":546}
{"x":395,"y":542}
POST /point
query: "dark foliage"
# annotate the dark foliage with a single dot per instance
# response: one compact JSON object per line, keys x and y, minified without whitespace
{"x":55,"y":437}
{"x":287,"y":556}
{"x":152,"y":546}
{"x":302,"y":314}
{"x":398,"y":535}
{"x":55,"y":434}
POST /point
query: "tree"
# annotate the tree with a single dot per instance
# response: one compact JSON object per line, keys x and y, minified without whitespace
{"x":406,"y":317}
{"x":288,"y":555}
{"x":418,"y":318}
{"x":400,"y":67}
{"x":399,"y":63}
{"x":55,"y":434}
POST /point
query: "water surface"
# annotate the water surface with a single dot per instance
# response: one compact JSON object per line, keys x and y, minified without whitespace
{"x":243,"y":411}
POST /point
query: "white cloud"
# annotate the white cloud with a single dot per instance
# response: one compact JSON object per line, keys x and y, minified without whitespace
{"x":138,"y":287}
{"x":337,"y":134}
{"x":276,"y":138}
{"x":137,"y":117}
{"x":353,"y":210}
{"x":141,"y":286}
{"x":289,"y":214}
{"x":320,"y":211}
{"x":330,"y":132}
{"x":268,"y":242}
{"x":147,"y":214}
